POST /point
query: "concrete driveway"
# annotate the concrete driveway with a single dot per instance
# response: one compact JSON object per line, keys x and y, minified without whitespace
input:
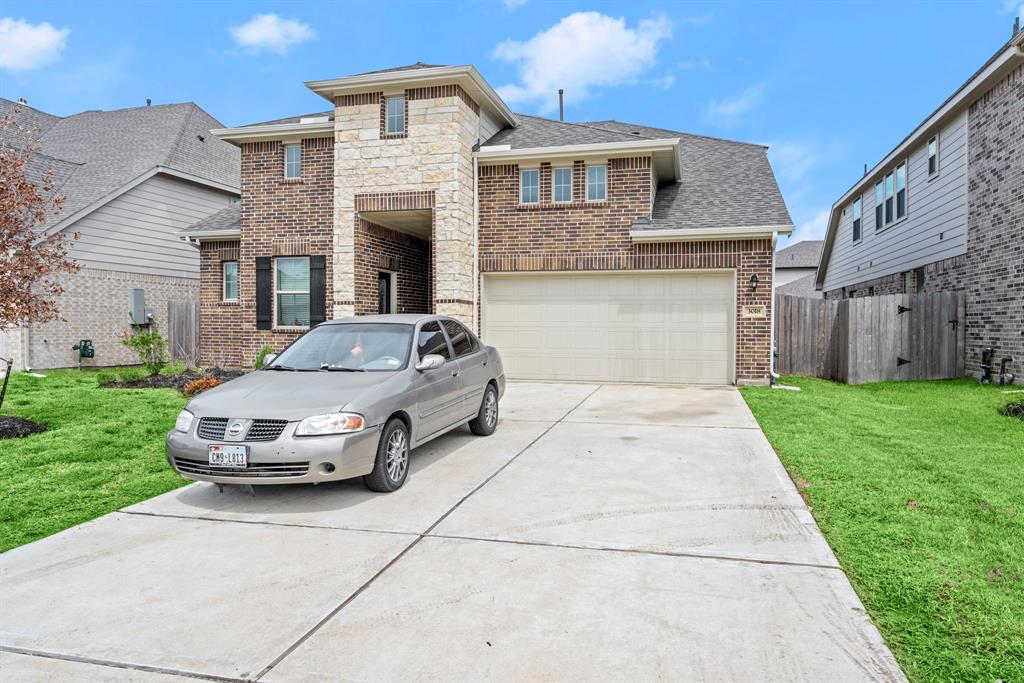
{"x":603,"y":533}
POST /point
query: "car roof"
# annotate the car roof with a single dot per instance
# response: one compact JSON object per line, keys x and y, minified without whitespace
{"x":394,"y":318}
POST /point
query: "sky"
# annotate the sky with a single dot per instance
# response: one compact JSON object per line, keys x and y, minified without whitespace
{"x":827,"y":86}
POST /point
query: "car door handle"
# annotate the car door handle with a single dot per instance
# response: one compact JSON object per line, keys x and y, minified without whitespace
{"x":485,"y":362}
{"x":455,"y":373}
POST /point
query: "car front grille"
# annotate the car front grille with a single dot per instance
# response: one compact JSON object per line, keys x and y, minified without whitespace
{"x":213,"y":428}
{"x":255,"y":469}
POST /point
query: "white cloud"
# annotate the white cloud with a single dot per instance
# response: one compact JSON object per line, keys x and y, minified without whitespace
{"x":513,"y":5}
{"x":272,"y":33}
{"x":1013,"y":8}
{"x":702,"y":64}
{"x":698,"y":21}
{"x":664,"y":82}
{"x":583,"y":51}
{"x":740,"y":103}
{"x":791,"y":161}
{"x":812,"y":229}
{"x":24,"y":46}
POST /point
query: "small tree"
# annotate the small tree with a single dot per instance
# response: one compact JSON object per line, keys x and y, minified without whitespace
{"x":31,"y":262}
{"x":151,"y":348}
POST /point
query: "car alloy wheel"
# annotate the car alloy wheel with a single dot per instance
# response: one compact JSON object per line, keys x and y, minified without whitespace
{"x":397,"y":455}
{"x":491,"y":409}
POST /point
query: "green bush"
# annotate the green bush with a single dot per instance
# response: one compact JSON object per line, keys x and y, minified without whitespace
{"x":120,"y":375}
{"x":260,"y":355}
{"x":151,"y":348}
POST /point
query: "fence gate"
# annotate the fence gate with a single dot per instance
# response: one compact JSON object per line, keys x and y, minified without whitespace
{"x":183,"y":330}
{"x":871,"y":339}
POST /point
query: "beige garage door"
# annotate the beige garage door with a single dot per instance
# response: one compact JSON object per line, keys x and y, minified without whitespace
{"x":623,"y":327}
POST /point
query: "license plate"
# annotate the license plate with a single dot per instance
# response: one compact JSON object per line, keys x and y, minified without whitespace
{"x":228,"y":456}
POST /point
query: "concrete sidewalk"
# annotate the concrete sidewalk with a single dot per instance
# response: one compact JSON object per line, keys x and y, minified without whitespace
{"x":603,"y":533}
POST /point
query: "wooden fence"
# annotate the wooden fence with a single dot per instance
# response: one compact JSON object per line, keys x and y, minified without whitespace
{"x":183,"y":330}
{"x":871,"y":339}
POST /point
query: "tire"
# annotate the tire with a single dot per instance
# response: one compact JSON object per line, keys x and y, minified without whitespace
{"x":391,"y":467}
{"x":486,"y":420}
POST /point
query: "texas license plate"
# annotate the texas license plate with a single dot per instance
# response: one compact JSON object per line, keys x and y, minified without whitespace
{"x":228,"y":456}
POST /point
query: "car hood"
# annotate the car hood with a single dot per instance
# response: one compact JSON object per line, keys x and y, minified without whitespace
{"x":285,"y":395}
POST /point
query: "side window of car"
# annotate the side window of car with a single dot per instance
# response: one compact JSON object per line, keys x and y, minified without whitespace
{"x":432,"y":341}
{"x":462,"y":341}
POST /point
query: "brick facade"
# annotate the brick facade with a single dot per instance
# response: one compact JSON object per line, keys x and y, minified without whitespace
{"x":992,"y":271}
{"x":585,"y":236}
{"x":95,"y":305}
{"x":279,"y":217}
{"x":380,"y":249}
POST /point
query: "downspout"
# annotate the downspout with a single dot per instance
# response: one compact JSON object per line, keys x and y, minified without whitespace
{"x":476,"y":245}
{"x":772,"y":376}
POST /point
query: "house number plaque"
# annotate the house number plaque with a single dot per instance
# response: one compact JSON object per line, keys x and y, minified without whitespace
{"x":754,"y":312}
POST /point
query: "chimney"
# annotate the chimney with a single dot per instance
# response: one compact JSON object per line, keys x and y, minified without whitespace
{"x":149,"y":102}
{"x":561,"y":105}
{"x":22,"y":100}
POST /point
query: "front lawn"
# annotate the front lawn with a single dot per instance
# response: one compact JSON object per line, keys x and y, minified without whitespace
{"x":919,"y":488}
{"x":104,"y":449}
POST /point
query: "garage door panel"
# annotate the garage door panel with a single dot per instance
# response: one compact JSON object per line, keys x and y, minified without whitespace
{"x":664,"y":327}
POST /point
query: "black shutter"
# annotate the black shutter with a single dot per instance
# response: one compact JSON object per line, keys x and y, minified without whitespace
{"x":317,"y":290}
{"x":264,"y":294}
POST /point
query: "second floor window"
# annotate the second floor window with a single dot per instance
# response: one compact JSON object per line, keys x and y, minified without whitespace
{"x":597,"y":183}
{"x":933,"y":155}
{"x":230,"y":273}
{"x":561,"y":180}
{"x":888,"y":199}
{"x":856,"y":219}
{"x":293,"y":161}
{"x":395,"y":112}
{"x":529,"y":186}
{"x":878,"y":205}
{"x":291,"y":289}
{"x":901,"y":190}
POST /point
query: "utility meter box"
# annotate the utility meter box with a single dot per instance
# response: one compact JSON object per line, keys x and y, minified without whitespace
{"x":84,"y":348}
{"x":138,"y":308}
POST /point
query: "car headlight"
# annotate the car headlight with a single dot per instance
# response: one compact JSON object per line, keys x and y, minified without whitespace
{"x":184,"y":422}
{"x":332,"y":423}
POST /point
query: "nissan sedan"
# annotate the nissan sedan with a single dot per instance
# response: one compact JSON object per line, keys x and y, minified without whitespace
{"x":350,"y":398}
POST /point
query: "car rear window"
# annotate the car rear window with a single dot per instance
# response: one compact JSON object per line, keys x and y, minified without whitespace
{"x":431,"y":341}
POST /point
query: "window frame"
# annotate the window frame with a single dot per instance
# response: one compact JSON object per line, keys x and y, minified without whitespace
{"x":224,"y":281}
{"x":474,"y":344}
{"x":555,"y":185}
{"x":856,"y":209}
{"x":603,"y":184}
{"x":901,"y":168}
{"x":297,"y":163}
{"x":932,"y":157}
{"x":444,"y":337}
{"x":400,"y":116}
{"x":277,"y":292}
{"x":522,"y":186}
{"x":879,"y":205}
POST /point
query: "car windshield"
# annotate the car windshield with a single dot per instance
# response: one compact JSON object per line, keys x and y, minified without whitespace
{"x":354,"y":347}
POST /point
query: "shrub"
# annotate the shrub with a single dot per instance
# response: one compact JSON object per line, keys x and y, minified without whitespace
{"x":200,"y":385}
{"x":151,"y":348}
{"x":260,"y":355}
{"x":128,"y":374}
{"x":1014,"y":409}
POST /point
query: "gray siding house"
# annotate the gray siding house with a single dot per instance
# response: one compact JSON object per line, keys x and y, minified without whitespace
{"x":131,"y":178}
{"x":944,"y":210}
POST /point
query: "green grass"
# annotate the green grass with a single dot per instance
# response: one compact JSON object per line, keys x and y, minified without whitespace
{"x":919,"y":488}
{"x":104,"y":450}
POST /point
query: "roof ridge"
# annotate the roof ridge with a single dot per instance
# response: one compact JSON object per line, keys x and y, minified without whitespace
{"x":181,"y":133}
{"x":681,"y":132}
{"x":29,"y":106}
{"x":584,"y":125}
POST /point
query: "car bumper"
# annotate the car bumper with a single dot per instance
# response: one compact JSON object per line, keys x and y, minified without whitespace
{"x":285,"y":460}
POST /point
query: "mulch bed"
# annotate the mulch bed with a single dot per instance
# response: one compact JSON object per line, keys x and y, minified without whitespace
{"x":13,"y":427}
{"x":1015,"y":409}
{"x":173,"y":381}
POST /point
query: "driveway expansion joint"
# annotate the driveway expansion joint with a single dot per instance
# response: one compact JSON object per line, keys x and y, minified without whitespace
{"x":120,"y":665}
{"x":419,"y":537}
{"x":292,"y":525}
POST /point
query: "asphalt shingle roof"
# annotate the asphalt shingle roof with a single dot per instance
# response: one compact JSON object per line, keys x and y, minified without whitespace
{"x":407,"y":67}
{"x":803,"y":254}
{"x":293,"y":119}
{"x":223,"y":221}
{"x":94,"y":153}
{"x":803,"y":286}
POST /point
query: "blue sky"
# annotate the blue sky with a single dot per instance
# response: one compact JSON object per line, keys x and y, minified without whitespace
{"x":828,"y":85}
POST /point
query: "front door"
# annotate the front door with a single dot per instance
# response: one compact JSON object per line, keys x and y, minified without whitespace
{"x":385,"y":292}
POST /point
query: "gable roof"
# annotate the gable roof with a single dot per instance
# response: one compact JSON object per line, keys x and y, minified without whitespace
{"x":1008,"y":57}
{"x":96,"y":154}
{"x":224,"y":223}
{"x":803,"y":254}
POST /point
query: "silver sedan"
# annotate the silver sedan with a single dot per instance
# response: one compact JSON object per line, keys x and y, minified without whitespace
{"x":349,"y":398}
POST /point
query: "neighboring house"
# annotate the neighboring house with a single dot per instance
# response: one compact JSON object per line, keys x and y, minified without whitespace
{"x":945,"y":211}
{"x":131,"y":178}
{"x":600,"y":251}
{"x":795,"y":267}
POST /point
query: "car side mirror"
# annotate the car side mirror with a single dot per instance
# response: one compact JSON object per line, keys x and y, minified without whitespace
{"x":268,"y":359}
{"x":431,"y":361}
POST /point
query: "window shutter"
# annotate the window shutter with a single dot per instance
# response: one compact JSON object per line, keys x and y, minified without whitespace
{"x":317,"y":290}
{"x":264,"y":293}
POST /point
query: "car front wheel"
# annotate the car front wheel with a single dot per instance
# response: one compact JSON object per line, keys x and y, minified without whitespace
{"x":391,"y":467}
{"x":486,"y":420}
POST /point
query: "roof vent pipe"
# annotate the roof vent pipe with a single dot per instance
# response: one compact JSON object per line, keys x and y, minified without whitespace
{"x":149,"y":102}
{"x":865,"y":169}
{"x":1016,"y":25}
{"x":561,"y":105}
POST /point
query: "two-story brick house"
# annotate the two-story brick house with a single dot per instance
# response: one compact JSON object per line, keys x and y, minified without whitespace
{"x":583,"y":251}
{"x":944,"y":210}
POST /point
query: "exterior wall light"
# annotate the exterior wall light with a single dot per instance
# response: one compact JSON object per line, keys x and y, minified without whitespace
{"x":753,"y":281}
